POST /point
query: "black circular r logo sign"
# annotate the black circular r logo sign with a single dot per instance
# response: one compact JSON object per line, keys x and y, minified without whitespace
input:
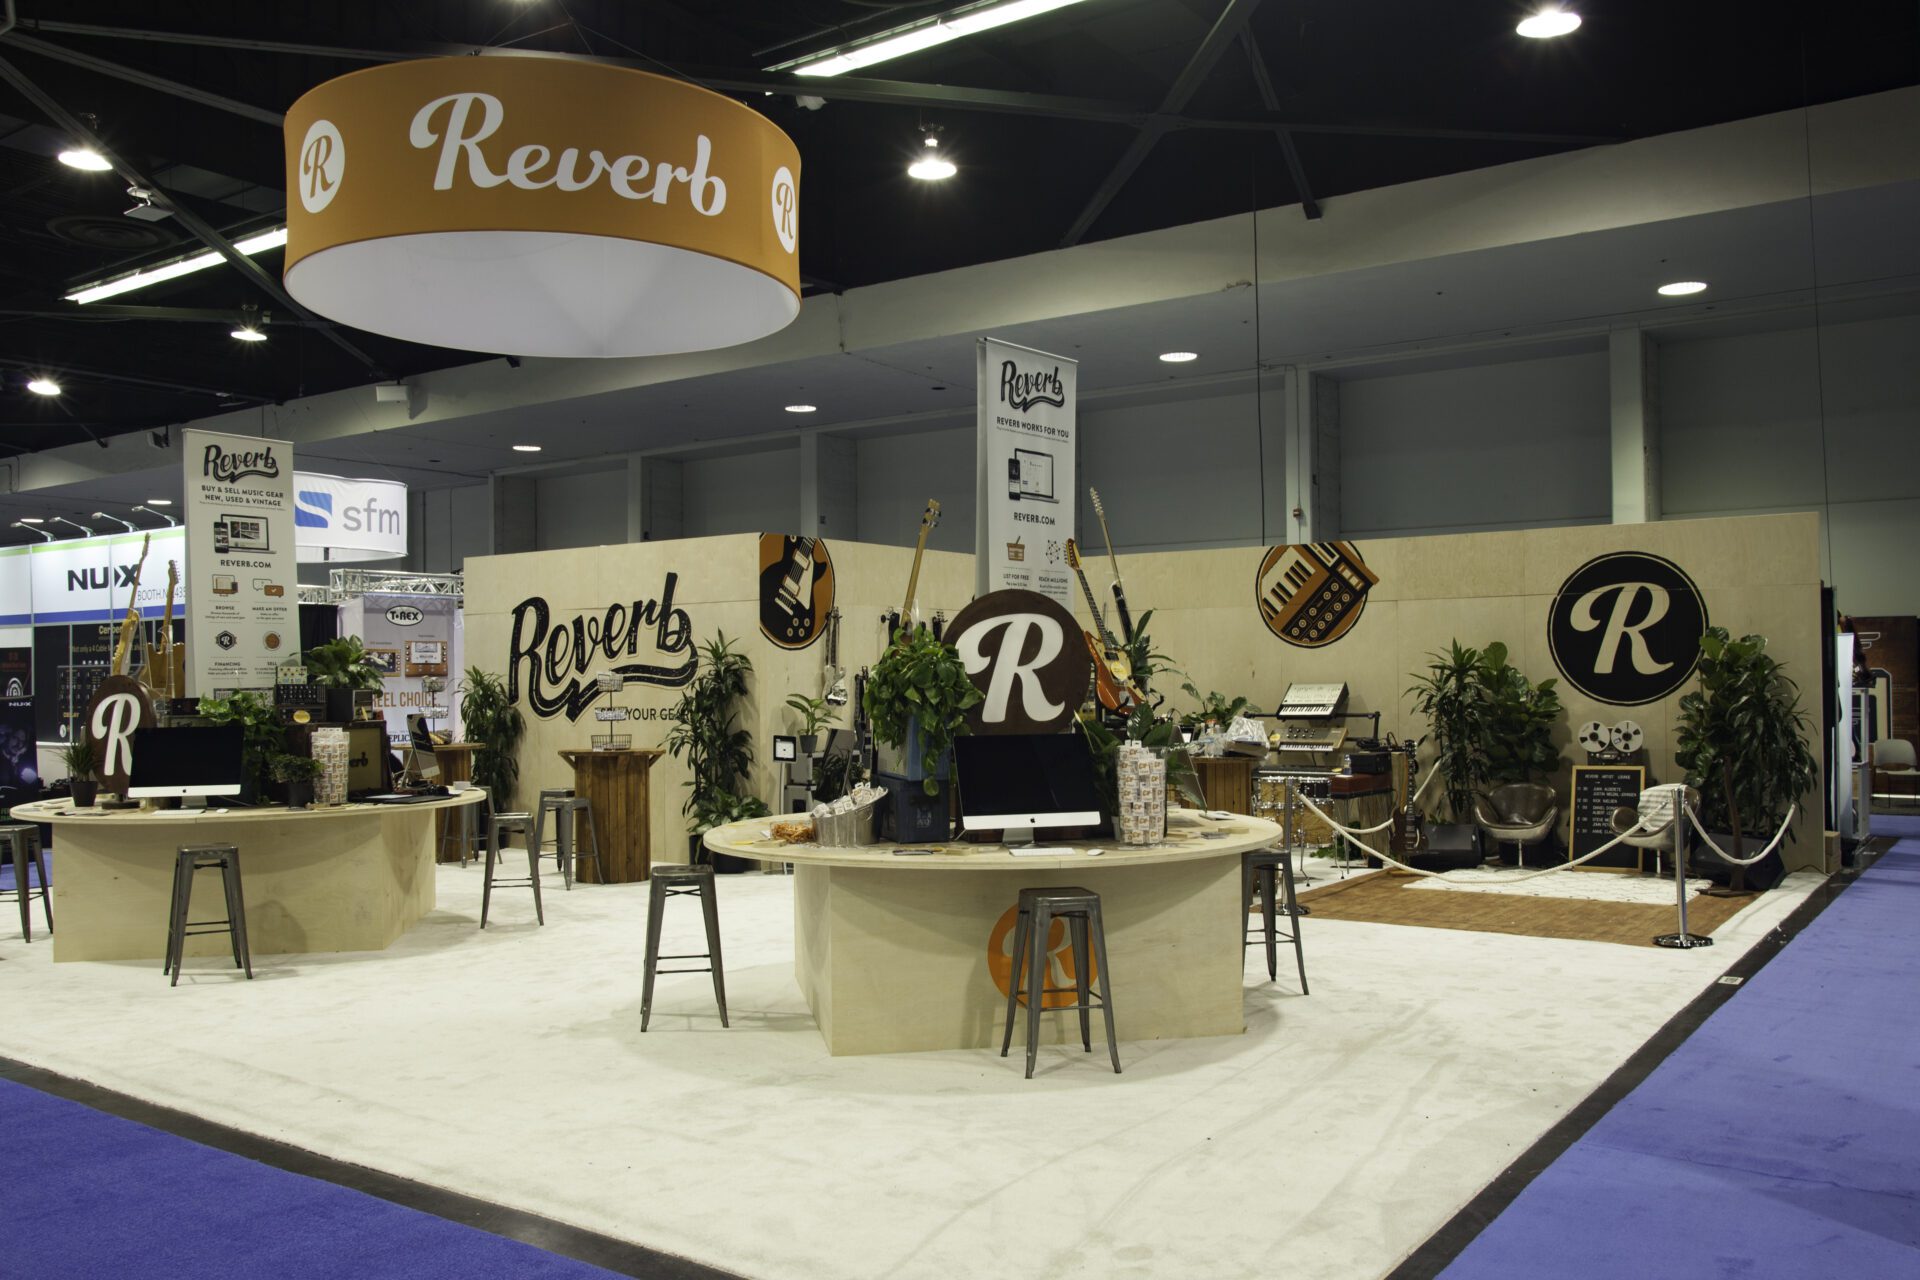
{"x":1626,"y":628}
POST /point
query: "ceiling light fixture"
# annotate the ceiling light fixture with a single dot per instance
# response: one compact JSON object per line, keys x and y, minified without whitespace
{"x":1682,"y":288}
{"x":931,"y":166}
{"x":175,"y":269}
{"x":85,"y":158}
{"x":247,"y":333}
{"x":1548,"y":23}
{"x":159,"y":502}
{"x":31,"y":520}
{"x":131,"y":527}
{"x":526,"y":448}
{"x":801,"y":408}
{"x":73,"y":524}
{"x":899,"y":41}
{"x":43,"y":386}
{"x":163,"y":515}
{"x":1178,"y":357}
{"x":28,"y":524}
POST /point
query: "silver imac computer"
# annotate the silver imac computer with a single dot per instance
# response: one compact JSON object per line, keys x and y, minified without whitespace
{"x":198,"y":761}
{"x":1022,"y":783}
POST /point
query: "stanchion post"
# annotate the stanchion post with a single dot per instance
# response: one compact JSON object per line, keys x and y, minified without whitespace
{"x":1681,"y":831}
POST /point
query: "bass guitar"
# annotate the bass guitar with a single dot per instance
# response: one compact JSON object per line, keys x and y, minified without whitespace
{"x":905,"y":621}
{"x":1112,"y":673}
{"x":1119,"y":587}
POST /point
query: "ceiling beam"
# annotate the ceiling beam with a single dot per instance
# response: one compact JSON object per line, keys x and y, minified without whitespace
{"x":84,"y":374}
{"x":1271,"y":101}
{"x":1225,"y":28}
{"x":193,"y":222}
{"x":115,"y":313}
{"x":145,"y":79}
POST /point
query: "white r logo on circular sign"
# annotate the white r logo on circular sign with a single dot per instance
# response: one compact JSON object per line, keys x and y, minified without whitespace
{"x":323,"y":160}
{"x":786,"y":208}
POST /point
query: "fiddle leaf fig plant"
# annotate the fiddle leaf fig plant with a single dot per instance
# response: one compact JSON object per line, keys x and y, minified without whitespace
{"x":718,"y":755}
{"x":489,"y":718}
{"x":1520,"y":720}
{"x":1490,"y":724}
{"x":919,"y":684}
{"x":1742,"y":737}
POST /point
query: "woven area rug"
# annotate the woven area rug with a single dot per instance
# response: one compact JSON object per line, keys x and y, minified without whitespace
{"x":1388,"y":899}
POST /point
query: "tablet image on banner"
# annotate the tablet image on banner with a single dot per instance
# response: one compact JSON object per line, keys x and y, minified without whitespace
{"x":242,"y":613}
{"x":1025,"y":497}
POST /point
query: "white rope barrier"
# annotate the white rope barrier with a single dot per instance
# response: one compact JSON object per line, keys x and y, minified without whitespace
{"x":1413,"y":803}
{"x":1348,"y":832}
{"x":1778,"y":836}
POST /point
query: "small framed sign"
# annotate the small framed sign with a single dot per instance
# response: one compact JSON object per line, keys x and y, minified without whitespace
{"x":785,"y":747}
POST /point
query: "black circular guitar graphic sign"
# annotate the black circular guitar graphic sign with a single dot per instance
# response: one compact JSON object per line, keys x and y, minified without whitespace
{"x":796,"y":589}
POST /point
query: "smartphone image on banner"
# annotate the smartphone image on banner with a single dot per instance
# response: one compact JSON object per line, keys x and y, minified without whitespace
{"x":1013,"y":479}
{"x":221,"y":543}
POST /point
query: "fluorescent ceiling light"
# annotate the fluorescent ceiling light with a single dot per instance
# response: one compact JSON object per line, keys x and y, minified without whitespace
{"x":1549,"y":23}
{"x":247,"y":333}
{"x":1179,"y":357}
{"x":178,"y":267}
{"x":526,"y":448}
{"x":31,"y":520}
{"x":913,"y":37}
{"x":1681,"y":288}
{"x":85,"y":158}
{"x":800,"y":408}
{"x":159,"y":502}
{"x":43,"y":386}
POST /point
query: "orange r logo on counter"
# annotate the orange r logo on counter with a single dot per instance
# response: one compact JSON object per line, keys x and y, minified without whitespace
{"x":1059,"y":960}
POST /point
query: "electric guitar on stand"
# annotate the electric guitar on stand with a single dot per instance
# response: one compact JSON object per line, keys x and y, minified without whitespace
{"x":905,"y":618}
{"x":1112,"y":672}
{"x":131,"y":623}
{"x":1119,"y":588}
{"x":161,"y":673}
{"x":835,"y":677}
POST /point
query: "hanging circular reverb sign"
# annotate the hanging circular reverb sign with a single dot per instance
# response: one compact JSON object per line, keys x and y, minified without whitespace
{"x":1311,"y":593}
{"x":1625,"y":628}
{"x":1028,"y":657}
{"x":796,"y":589}
{"x":541,"y":207}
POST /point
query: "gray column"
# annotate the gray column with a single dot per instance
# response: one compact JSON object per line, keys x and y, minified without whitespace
{"x":1633,"y":387}
{"x":515,"y":512}
{"x":655,"y":505}
{"x":1310,"y":456}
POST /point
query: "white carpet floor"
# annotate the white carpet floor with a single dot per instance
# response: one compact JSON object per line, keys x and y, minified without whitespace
{"x":1587,"y":886}
{"x":1328,"y":1141}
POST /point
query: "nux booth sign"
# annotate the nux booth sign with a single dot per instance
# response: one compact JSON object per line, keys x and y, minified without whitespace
{"x":338,"y":520}
{"x":541,"y":206}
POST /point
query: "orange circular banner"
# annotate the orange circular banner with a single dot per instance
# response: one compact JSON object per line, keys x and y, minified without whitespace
{"x":1058,"y":958}
{"x":540,"y":206}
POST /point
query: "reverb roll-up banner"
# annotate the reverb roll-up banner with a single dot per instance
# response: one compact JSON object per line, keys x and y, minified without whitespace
{"x":1027,"y":500}
{"x":244,"y":618}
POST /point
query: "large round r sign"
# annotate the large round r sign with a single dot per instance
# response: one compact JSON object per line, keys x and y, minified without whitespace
{"x":120,"y":705}
{"x":1029,"y":659}
{"x":1626,"y":628}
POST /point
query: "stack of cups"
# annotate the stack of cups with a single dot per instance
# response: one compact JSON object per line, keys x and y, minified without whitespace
{"x":1142,"y":778}
{"x":330,"y":749}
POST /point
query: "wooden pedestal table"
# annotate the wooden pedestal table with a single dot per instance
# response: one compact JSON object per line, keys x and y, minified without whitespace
{"x":1227,"y":780}
{"x":456,"y":765}
{"x":343,"y":878}
{"x":617,"y":784}
{"x":897,"y":953}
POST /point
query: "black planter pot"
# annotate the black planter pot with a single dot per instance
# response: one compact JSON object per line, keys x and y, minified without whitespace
{"x":85,"y":792}
{"x":724,"y":864}
{"x":300,"y":793}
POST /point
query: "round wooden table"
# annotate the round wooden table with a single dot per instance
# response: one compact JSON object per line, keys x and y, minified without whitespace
{"x":910,"y":951}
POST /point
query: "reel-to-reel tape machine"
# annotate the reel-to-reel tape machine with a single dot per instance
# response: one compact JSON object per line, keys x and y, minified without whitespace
{"x":1609,"y":744}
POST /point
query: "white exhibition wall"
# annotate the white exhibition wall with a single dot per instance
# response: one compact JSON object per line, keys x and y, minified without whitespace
{"x":1510,"y":441}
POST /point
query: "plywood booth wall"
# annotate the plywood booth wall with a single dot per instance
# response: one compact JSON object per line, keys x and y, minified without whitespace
{"x":716,"y":584}
{"x":1756,"y":574}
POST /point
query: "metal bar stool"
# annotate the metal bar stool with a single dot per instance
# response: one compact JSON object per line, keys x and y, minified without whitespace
{"x":21,"y":842}
{"x":567,"y":825}
{"x":503,"y":823}
{"x":1039,"y":908}
{"x":673,"y":880}
{"x":188,"y":860}
{"x":1260,"y":869}
{"x":553,"y":801}
{"x":464,"y":826}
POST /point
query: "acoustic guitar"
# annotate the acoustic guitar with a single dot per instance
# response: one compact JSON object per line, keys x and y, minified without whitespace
{"x":1112,"y":672}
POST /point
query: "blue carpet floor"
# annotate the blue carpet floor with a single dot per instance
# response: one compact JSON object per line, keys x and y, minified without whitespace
{"x":89,"y":1196}
{"x":1782,"y":1139}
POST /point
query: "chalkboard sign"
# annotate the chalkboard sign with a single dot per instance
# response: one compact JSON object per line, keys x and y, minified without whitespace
{"x":1599,"y":789}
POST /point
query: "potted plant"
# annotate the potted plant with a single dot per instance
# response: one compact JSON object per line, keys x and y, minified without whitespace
{"x":78,"y":756}
{"x":1214,"y":707}
{"x":495,"y":724}
{"x":296,"y":773}
{"x":342,"y":666}
{"x":1520,"y":718}
{"x":262,"y":734}
{"x":1741,"y":739}
{"x":1452,"y":697}
{"x":717,"y":755}
{"x":815,"y":715}
{"x":917,"y":698}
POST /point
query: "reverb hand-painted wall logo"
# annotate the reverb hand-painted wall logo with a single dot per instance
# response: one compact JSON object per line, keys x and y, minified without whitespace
{"x":550,"y":659}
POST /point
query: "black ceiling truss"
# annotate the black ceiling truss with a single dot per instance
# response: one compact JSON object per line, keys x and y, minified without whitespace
{"x":135,"y":380}
{"x":1271,"y":100}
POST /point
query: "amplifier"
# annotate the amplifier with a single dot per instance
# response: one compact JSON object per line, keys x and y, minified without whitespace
{"x":300,"y":703}
{"x":1359,"y":784}
{"x":1367,"y":761}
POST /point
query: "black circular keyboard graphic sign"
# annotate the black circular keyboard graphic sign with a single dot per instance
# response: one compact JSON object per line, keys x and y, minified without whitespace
{"x":1626,"y":628}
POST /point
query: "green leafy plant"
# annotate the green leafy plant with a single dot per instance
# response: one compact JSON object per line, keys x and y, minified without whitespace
{"x":718,"y":755}
{"x":262,"y":735}
{"x":1105,"y":746}
{"x":919,"y":683}
{"x":1741,"y":737}
{"x":814,"y":713}
{"x":1216,"y":707}
{"x":286,"y":767}
{"x":79,"y":758}
{"x":342,"y":663}
{"x":491,"y":720}
{"x":1145,"y":661}
{"x":1450,"y":696}
{"x":1520,"y":717}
